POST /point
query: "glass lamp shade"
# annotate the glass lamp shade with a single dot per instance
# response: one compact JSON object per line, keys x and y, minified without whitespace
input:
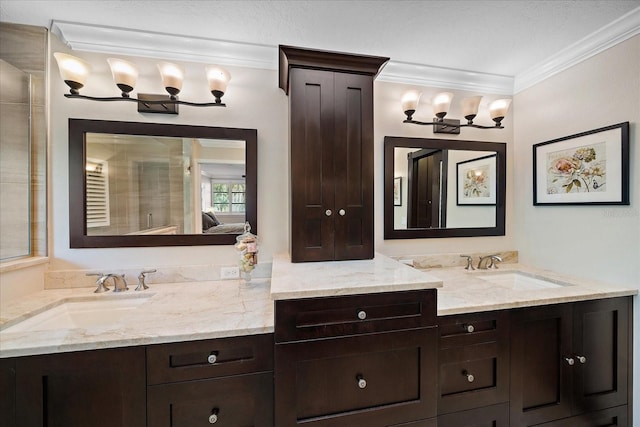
{"x":441,"y":104}
{"x":218,"y":79}
{"x":74,"y":71}
{"x":172,"y":77}
{"x":470,"y":107}
{"x":125,"y":74}
{"x":498,"y":110}
{"x":410,"y":102}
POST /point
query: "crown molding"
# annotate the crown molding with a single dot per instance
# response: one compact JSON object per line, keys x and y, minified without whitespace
{"x":111,"y":40}
{"x":446,"y":78}
{"x":616,"y":32}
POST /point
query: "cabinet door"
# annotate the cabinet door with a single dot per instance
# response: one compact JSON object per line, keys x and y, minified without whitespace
{"x":606,"y":418}
{"x":234,"y":401}
{"x":312,"y":168}
{"x":353,"y":162}
{"x":102,"y":388}
{"x":369,"y":380}
{"x":489,"y":416}
{"x":601,"y":353}
{"x":541,"y":378}
{"x":8,"y":393}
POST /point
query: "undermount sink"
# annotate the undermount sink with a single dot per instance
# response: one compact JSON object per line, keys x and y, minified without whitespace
{"x":80,"y":313}
{"x":520,"y":281}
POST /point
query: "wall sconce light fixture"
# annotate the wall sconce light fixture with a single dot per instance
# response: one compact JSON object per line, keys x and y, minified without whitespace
{"x":75,"y":71}
{"x":441,"y":103}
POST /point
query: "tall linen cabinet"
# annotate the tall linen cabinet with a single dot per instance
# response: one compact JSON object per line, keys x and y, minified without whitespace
{"x":331,"y":152}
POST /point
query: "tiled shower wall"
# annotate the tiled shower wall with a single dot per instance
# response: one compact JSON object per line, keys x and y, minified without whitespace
{"x":25,"y":48}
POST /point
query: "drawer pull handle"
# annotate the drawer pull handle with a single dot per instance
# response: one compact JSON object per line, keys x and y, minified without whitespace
{"x":212,"y":358}
{"x":342,"y":212}
{"x":213,"y":418}
{"x":581,"y":359}
{"x":362,"y":383}
{"x":469,"y":376}
{"x":570,"y":361}
{"x":328,"y":212}
{"x":362,"y":315}
{"x":469,"y":328}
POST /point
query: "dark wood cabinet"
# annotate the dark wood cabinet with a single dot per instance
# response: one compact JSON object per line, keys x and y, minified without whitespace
{"x":569,"y":359}
{"x":102,"y":388}
{"x":606,"y":418}
{"x":225,"y":381}
{"x":488,"y":416}
{"x":8,"y":392}
{"x":331,"y":140}
{"x":356,"y":360}
{"x":473,"y":361}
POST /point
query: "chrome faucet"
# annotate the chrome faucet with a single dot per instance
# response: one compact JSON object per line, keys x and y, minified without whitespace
{"x":141,"y":285}
{"x":102,"y":279}
{"x":488,"y":261}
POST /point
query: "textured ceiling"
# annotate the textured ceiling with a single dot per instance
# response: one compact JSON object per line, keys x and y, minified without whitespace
{"x":497,"y":37}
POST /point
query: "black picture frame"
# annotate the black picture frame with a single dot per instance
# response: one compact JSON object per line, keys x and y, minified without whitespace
{"x":587,"y":168}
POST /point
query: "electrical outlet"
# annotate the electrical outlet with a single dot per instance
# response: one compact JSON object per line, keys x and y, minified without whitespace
{"x":229,"y":272}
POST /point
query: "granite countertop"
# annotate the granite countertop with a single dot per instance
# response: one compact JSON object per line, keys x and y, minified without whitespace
{"x":173,"y":312}
{"x":465,"y":291}
{"x":320,"y":279}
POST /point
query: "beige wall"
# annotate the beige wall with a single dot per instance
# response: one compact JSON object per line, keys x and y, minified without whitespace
{"x":599,"y":242}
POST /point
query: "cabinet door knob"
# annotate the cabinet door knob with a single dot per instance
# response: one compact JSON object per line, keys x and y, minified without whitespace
{"x":469,"y":376}
{"x":362,"y":315}
{"x":570,"y":361}
{"x":581,"y":359}
{"x":341,"y":212}
{"x":328,"y":212}
{"x":213,"y":418}
{"x":212,"y":358}
{"x":362,"y":383}
{"x":469,"y":328}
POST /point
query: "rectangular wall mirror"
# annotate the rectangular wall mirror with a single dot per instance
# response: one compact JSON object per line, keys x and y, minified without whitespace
{"x":148,"y":184}
{"x":443,"y":188}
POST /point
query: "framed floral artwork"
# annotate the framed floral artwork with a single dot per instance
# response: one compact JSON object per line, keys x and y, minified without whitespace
{"x":476,"y":181}
{"x":587,"y":168}
{"x":397,"y":191}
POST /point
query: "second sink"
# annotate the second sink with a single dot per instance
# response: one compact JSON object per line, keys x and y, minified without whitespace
{"x":520,"y":281}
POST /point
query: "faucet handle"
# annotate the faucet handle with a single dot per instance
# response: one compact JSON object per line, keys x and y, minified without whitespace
{"x":494,"y":260}
{"x":102,"y":278}
{"x":469,"y":262}
{"x":141,"y":285}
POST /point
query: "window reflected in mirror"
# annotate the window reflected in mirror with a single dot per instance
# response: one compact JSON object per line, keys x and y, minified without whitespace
{"x":150,"y":184}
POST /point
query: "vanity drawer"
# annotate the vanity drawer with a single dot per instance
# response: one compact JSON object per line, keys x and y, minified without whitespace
{"x":469,"y":329}
{"x":315,"y":318}
{"x":472,"y":376}
{"x":243,"y":400}
{"x":373,"y":380}
{"x":209,"y":358}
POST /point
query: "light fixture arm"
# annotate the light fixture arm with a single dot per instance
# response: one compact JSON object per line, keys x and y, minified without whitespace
{"x":449,"y":124}
{"x":218,"y":102}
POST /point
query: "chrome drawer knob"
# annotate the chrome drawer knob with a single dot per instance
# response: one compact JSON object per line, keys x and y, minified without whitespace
{"x":469,"y":328}
{"x":213,"y":418}
{"x":362,"y":315}
{"x":570,"y":361}
{"x":212,"y":358}
{"x":341,"y":212}
{"x":469,"y":376}
{"x":581,"y":359}
{"x":362,"y":383}
{"x":328,"y":212}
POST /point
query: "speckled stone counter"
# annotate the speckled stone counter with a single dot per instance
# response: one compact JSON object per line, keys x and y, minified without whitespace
{"x":464,"y":291}
{"x":321,"y":279}
{"x":172,"y":313}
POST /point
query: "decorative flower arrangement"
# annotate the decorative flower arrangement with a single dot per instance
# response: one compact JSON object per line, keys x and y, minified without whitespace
{"x":247,"y":245}
{"x":578,"y":172}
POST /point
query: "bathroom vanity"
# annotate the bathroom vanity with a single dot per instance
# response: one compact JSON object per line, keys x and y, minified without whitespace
{"x":373,"y":343}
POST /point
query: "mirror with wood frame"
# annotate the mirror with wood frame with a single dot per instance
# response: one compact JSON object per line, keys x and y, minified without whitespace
{"x":148,"y":184}
{"x":443,"y":188}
